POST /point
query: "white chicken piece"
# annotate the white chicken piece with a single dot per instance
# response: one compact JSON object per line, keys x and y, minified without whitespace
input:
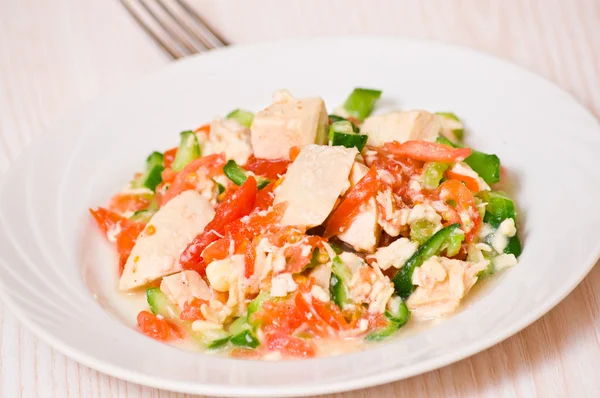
{"x":183,"y":286}
{"x":157,"y":250}
{"x":313,"y":183}
{"x":227,"y":135}
{"x":369,"y":285}
{"x":441,"y":284}
{"x":364,"y":231}
{"x":405,"y":126}
{"x":288,"y":123}
{"x":396,"y":254}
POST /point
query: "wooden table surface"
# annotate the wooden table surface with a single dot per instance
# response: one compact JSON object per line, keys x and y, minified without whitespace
{"x":56,"y":53}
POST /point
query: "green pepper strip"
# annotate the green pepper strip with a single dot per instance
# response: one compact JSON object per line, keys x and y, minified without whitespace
{"x":361,"y":102}
{"x":499,"y":207}
{"x":403,"y":279}
{"x":486,"y":165}
{"x":238,"y":176}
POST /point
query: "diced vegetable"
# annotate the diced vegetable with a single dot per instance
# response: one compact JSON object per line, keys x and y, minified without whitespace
{"x":454,"y":242}
{"x":485,"y":165}
{"x":433,"y":172}
{"x":361,"y":102}
{"x":256,"y":304}
{"x":340,"y":277}
{"x":238,"y":175}
{"x":153,"y":174}
{"x":245,"y":339}
{"x":403,"y":279}
{"x":336,"y":118}
{"x":421,"y":230}
{"x":218,"y":343}
{"x":458,"y":133}
{"x":341,"y":133}
{"x":144,"y":216}
{"x":241,"y":116}
{"x":160,"y":304}
{"x":499,"y":207}
{"x":188,"y":151}
{"x":397,"y":319}
{"x":428,"y":151}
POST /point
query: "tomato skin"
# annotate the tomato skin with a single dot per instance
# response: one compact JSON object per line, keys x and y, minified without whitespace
{"x":265,"y":196}
{"x":470,"y":182}
{"x":428,"y":151}
{"x":330,"y":314}
{"x":267,"y":168}
{"x":296,"y":259}
{"x":457,"y":191}
{"x":236,"y":206}
{"x":212,"y":164}
{"x":341,"y":217}
{"x":155,"y":327}
{"x":106,"y":219}
{"x":217,"y":250}
{"x":205,"y":128}
{"x":169,"y":157}
{"x":192,"y":310}
{"x":126,"y":202}
{"x":290,"y":346}
{"x":294,"y":152}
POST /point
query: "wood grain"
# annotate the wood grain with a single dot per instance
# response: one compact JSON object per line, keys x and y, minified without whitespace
{"x":55,"y":54}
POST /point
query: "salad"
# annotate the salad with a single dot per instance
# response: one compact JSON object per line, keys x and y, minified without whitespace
{"x":276,"y":234}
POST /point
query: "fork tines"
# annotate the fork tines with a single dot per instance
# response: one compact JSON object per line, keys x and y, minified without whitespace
{"x":174,"y":25}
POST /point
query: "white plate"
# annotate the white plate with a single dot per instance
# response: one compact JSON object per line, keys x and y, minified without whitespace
{"x":52,"y":256}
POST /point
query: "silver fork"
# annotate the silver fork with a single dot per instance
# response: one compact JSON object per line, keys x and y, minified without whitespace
{"x":174,"y":25}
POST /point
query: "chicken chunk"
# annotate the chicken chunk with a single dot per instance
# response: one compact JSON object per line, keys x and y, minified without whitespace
{"x":157,"y":250}
{"x":364,"y":231}
{"x":313,"y":183}
{"x":227,"y":135}
{"x":183,"y":286}
{"x":396,"y":254}
{"x":288,"y":123}
{"x":441,"y":284}
{"x":404,"y":126}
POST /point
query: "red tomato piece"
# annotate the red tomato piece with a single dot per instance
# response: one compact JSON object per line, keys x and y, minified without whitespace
{"x":126,"y":202}
{"x":126,"y":240}
{"x":428,"y":151}
{"x":217,"y":250}
{"x":297,"y":259}
{"x":470,"y":182}
{"x":168,"y":175}
{"x":341,"y":217}
{"x":331,"y":314}
{"x":169,"y":157}
{"x":105,"y":218}
{"x":268,"y":168}
{"x":465,"y":202}
{"x":205,"y":128}
{"x":289,"y":345}
{"x":236,"y":206}
{"x":212,"y":164}
{"x":265,"y":196}
{"x":294,"y":152}
{"x":156,"y":327}
{"x":191,"y":310}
